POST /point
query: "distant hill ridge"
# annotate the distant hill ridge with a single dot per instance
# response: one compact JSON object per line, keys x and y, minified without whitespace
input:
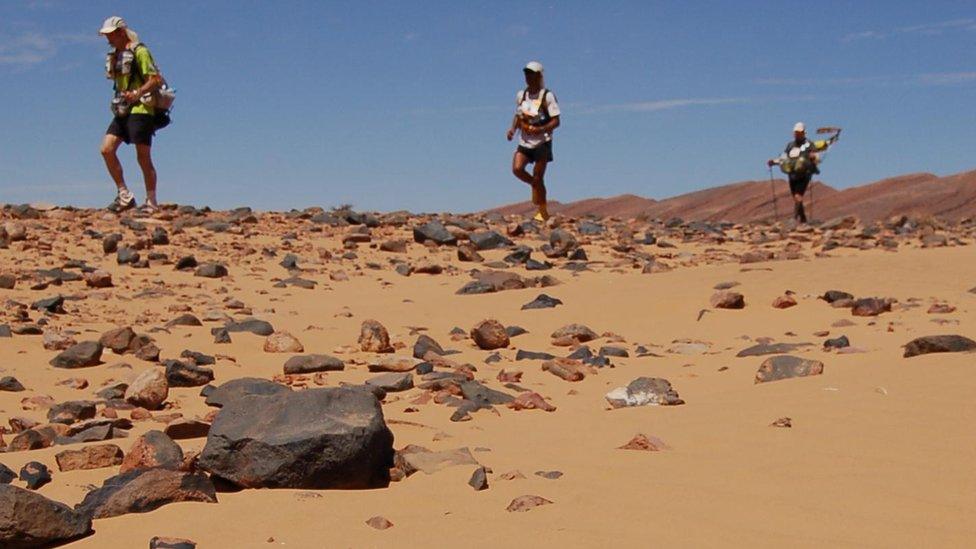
{"x":952,"y":198}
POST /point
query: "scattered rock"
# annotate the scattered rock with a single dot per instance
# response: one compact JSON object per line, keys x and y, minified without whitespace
{"x":543,"y":301}
{"x":10,"y":384}
{"x":171,"y":543}
{"x":307,"y":364}
{"x":785,"y":367}
{"x":645,"y":443}
{"x":489,"y":335}
{"x":149,"y":390}
{"x":80,"y":355}
{"x":783,"y":422}
{"x":479,"y":479}
{"x":35,"y":474}
{"x":379,"y":523}
{"x":211,"y":270}
{"x":153,"y":449}
{"x":522,"y":504}
{"x":939,"y":344}
{"x":282,"y":342}
{"x":576,"y":332}
{"x":727,"y":300}
{"x":644,"y":391}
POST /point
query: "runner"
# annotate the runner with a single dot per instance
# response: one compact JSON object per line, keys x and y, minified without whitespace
{"x":130,"y":65}
{"x":536,"y":116}
{"x":799,"y":161}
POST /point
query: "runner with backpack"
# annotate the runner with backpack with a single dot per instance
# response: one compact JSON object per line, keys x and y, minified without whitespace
{"x":139,"y":107}
{"x":536,"y":116}
{"x":800,"y":162}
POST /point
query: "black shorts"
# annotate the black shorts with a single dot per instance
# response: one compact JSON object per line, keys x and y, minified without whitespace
{"x":135,"y":128}
{"x":542,"y":152}
{"x":799,"y":183}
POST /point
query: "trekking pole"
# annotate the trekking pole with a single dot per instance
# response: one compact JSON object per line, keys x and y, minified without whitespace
{"x":772,"y":187}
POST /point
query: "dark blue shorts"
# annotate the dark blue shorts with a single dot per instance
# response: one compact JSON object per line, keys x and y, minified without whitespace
{"x":542,"y":152}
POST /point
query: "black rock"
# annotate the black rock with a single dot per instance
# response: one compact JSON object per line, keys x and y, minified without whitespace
{"x":771,"y":349}
{"x":939,"y":344}
{"x":532,"y":355}
{"x":620,"y":352}
{"x":426,"y":344}
{"x":253,"y":325}
{"x":837,"y":343}
{"x":835,"y":295}
{"x":582,"y":353}
{"x":53,"y":305}
{"x":221,"y":335}
{"x":7,"y":475}
{"x":392,"y":382}
{"x":479,"y":393}
{"x":290,"y":261}
{"x":590,"y":229}
{"x":476,"y":287}
{"x":489,"y":240}
{"x":28,"y":519}
{"x":186,"y":263}
{"x":35,"y":474}
{"x":10,"y":383}
{"x":786,"y":367}
{"x":579,"y":254}
{"x":543,"y":301}
{"x":160,"y":237}
{"x":434,"y":231}
{"x":518,"y":256}
{"x":171,"y":543}
{"x":513,"y":331}
{"x":424,"y":368}
{"x":79,"y":355}
{"x":127,"y":255}
{"x":479,"y":479}
{"x":198,"y":358}
{"x":184,"y":374}
{"x":185,"y":319}
{"x":306,"y":364}
{"x":241,"y":387}
{"x":5,"y":330}
{"x":71,"y":411}
{"x":110,"y":243}
{"x":562,"y":242}
{"x":316,"y":438}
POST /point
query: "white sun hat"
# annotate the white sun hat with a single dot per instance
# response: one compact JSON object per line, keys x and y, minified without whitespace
{"x":114,"y":23}
{"x":533,"y":66}
{"x":799,"y":127}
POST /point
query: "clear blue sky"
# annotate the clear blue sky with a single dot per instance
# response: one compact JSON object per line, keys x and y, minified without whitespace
{"x":390,"y":105}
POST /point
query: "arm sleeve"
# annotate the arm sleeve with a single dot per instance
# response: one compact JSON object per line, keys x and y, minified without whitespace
{"x":144,"y":58}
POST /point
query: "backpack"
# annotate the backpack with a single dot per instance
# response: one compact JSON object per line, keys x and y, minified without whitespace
{"x":160,"y":100}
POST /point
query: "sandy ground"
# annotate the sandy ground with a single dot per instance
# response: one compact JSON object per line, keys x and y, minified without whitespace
{"x":880,"y":454}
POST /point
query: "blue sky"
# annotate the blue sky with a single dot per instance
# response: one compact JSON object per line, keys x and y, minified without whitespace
{"x":404,"y":105}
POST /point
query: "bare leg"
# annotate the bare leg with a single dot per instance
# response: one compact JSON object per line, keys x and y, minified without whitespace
{"x":144,"y":155}
{"x":539,"y":186}
{"x":110,"y":146}
{"x":519,"y":162}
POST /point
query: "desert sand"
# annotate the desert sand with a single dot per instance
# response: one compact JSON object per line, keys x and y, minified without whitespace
{"x":880,"y":452}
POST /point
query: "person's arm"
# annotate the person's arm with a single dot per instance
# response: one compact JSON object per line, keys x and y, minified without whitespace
{"x":548,"y":127}
{"x":513,"y":127}
{"x":152,"y":80}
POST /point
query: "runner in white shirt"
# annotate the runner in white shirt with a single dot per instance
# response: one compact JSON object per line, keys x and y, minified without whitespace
{"x":536,"y":116}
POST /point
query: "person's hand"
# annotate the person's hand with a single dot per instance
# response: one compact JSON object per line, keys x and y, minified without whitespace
{"x":131,"y":96}
{"x":770,"y":162}
{"x":511,"y":134}
{"x":532,"y":130}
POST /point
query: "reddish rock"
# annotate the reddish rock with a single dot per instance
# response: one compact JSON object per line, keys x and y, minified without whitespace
{"x":144,"y":490}
{"x":728,"y":300}
{"x":490,"y":334}
{"x":153,"y":449}
{"x":645,"y":443}
{"x":379,"y":523}
{"x":522,"y":504}
{"x":784,"y":302}
{"x":282,"y":342}
{"x":89,"y":457}
{"x":531,"y":401}
{"x":565,"y":368}
{"x":149,"y":390}
{"x":98,"y":279}
{"x":784,"y":422}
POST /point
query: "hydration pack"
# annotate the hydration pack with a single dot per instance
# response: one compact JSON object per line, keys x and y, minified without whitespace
{"x":542,"y":116}
{"x":161,"y":100}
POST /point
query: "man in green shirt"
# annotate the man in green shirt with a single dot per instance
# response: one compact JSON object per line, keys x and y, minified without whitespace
{"x":130,"y":65}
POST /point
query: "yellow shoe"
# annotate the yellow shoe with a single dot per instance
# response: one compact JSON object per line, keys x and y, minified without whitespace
{"x":542,"y":215}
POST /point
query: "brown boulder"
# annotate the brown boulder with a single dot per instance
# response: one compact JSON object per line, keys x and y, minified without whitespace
{"x":373,"y":338}
{"x":490,"y":334}
{"x":728,"y":300}
{"x":153,"y":449}
{"x":282,"y":342}
{"x":149,"y":390}
{"x":144,"y":490}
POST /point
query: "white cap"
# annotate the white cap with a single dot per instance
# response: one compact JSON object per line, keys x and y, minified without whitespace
{"x":799,"y":127}
{"x":112,"y":24}
{"x":533,"y":66}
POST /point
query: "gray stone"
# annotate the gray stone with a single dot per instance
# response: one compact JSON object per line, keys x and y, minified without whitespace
{"x":253,"y":325}
{"x":392,"y":382}
{"x":244,"y":386}
{"x":79,"y":355}
{"x":543,"y":301}
{"x":307,"y":364}
{"x":771,"y":349}
{"x":144,"y":490}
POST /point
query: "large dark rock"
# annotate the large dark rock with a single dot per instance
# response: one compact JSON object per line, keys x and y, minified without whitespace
{"x":771,"y":349}
{"x":153,"y":449}
{"x":871,"y":306}
{"x":144,"y":490}
{"x":435,"y":232}
{"x":71,"y":411}
{"x":211,"y":270}
{"x":939,"y":344}
{"x":35,"y":474}
{"x":543,"y":301}
{"x":316,"y":438}
{"x":79,"y":355}
{"x":480,"y":394}
{"x":238,"y":388}
{"x":32,"y":520}
{"x":10,"y":383}
{"x":306,"y":364}
{"x":785,"y":367}
{"x":426,"y":344}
